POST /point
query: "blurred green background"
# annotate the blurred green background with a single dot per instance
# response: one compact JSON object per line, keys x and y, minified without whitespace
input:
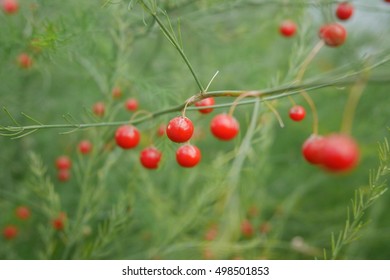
{"x":118,"y":210}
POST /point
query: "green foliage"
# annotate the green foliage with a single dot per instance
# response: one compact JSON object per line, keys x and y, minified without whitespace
{"x":164,"y":53}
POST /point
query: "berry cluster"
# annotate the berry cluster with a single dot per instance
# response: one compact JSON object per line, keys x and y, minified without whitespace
{"x":11,"y":231}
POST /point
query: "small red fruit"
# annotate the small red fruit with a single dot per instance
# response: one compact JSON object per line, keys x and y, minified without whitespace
{"x":344,"y":11}
{"x":99,"y":109}
{"x":297,"y":113}
{"x":188,"y":155}
{"x":224,"y":127}
{"x":287,"y":28}
{"x":22,"y":212}
{"x":10,"y":6}
{"x":85,"y":147}
{"x":388,"y":1}
{"x":205,"y":102}
{"x":116,"y":92}
{"x":161,"y":130}
{"x":312,"y":149}
{"x":131,"y":104}
{"x":180,"y":129}
{"x":10,"y":232}
{"x":59,"y":222}
{"x":63,"y":175}
{"x":25,"y":61}
{"x":340,"y":153}
{"x":333,"y":34}
{"x":127,"y":136}
{"x":150,"y":157}
{"x":247,"y":229}
{"x":63,"y":162}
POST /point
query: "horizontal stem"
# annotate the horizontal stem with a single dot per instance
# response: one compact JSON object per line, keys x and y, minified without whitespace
{"x":264,"y":95}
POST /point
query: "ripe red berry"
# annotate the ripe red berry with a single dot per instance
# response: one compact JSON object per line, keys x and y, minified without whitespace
{"x":63,"y":162}
{"x":127,"y":136}
{"x":99,"y":109}
{"x":247,"y":229}
{"x":287,"y":28}
{"x":344,"y":11}
{"x":297,"y":113}
{"x":10,"y":232}
{"x":150,"y":157}
{"x":22,"y":212}
{"x":63,"y":175}
{"x":224,"y":127}
{"x":333,"y":34}
{"x":131,"y":104}
{"x":312,"y":149}
{"x":180,"y":129}
{"x":25,"y":61}
{"x":10,"y":6}
{"x":85,"y":147}
{"x":59,"y":222}
{"x":205,"y":102}
{"x":116,"y":92}
{"x":188,"y":155}
{"x":340,"y":153}
{"x":161,"y":130}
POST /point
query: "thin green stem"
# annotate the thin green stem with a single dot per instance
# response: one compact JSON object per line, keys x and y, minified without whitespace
{"x":174,"y":42}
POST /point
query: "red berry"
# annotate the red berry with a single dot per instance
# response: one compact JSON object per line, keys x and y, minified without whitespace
{"x":180,"y":129}
{"x":10,"y":6}
{"x":224,"y":127}
{"x":63,"y":162}
{"x":247,"y":229}
{"x":63,"y":175}
{"x":344,"y":11}
{"x":312,"y":149}
{"x":287,"y":28}
{"x":188,"y":155}
{"x":388,"y":1}
{"x":127,"y":136}
{"x":10,"y":232}
{"x":25,"y":61}
{"x":99,"y":109}
{"x":340,"y":153}
{"x":297,"y":113}
{"x":161,"y":130}
{"x":59,"y":222}
{"x":116,"y":92}
{"x":150,"y":157}
{"x":85,"y":147}
{"x":333,"y":34}
{"x":22,"y":212}
{"x":131,"y":104}
{"x":205,"y":102}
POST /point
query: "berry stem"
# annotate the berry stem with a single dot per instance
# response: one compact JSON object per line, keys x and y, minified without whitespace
{"x":276,"y":113}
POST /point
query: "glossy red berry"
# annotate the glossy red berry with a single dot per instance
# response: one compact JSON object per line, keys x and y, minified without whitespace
{"x":127,"y":136}
{"x":131,"y":104}
{"x":297,"y":113}
{"x":10,"y":232}
{"x":116,"y":92}
{"x":287,"y":28}
{"x":344,"y":11}
{"x":63,"y":162}
{"x":210,"y":101}
{"x":333,"y":34}
{"x":63,"y":175}
{"x":59,"y":222}
{"x":180,"y":129}
{"x":23,"y":212}
{"x":224,"y":127}
{"x":188,"y":155}
{"x":340,"y":153}
{"x":25,"y":61}
{"x":247,"y":229}
{"x":10,"y":6}
{"x":312,"y":149}
{"x":150,"y":157}
{"x":85,"y":147}
{"x":99,"y":109}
